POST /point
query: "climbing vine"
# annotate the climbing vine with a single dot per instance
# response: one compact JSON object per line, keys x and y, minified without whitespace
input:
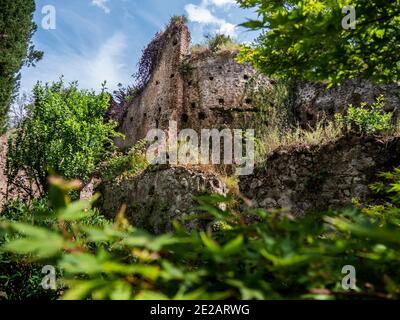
{"x":152,"y":53}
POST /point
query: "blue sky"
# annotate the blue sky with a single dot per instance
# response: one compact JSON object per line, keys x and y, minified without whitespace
{"x":97,"y":40}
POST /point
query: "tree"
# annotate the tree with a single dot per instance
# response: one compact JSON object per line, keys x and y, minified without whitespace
{"x":63,"y":133}
{"x":16,"y":49}
{"x":315,"y":39}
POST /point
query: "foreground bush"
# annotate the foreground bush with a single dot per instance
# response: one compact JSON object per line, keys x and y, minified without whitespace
{"x":276,"y":257}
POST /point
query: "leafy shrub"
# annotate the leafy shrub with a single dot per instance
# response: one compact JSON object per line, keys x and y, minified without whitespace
{"x":185,"y":68}
{"x":218,"y":41}
{"x":21,"y":277}
{"x":274,"y":257}
{"x":64,"y":133}
{"x":370,"y":120}
{"x":125,"y":164}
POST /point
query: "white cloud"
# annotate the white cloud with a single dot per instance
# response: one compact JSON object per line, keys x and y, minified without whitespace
{"x":202,"y":14}
{"x":91,"y":69}
{"x":221,"y":3}
{"x":102,"y":5}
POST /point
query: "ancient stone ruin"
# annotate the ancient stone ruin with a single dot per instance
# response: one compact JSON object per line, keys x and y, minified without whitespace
{"x":211,"y":90}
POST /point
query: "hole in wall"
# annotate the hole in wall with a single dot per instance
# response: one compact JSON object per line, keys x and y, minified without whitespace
{"x":152,"y":191}
{"x":202,"y":116}
{"x":221,"y":101}
{"x":172,"y":76}
{"x":157,"y":83}
{"x":193,"y":105}
{"x":246,"y":77}
{"x":157,"y":124}
{"x":190,"y":83}
{"x":185,"y":118}
{"x":175,"y":42}
{"x":248,"y":101}
{"x":131,"y":119}
{"x":145,"y":115}
{"x":211,"y":78}
{"x":159,"y":109}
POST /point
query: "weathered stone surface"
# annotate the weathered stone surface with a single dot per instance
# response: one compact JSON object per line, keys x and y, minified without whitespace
{"x":314,"y":101}
{"x":21,"y":188}
{"x":3,"y":177}
{"x":158,"y":196}
{"x":321,"y":177}
{"x":215,"y":94}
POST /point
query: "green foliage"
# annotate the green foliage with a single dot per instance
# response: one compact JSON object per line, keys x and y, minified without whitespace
{"x":185,"y":68}
{"x":179,"y":19}
{"x":21,"y":276}
{"x":128,"y":164}
{"x":274,"y":257}
{"x":64,"y":133}
{"x":305,"y":39}
{"x":16,"y":49}
{"x":367,"y":120}
{"x":218,"y":41}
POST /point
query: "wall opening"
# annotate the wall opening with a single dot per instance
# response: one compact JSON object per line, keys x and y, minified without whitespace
{"x":185,"y":118}
{"x":221,"y":101}
{"x":211,"y":78}
{"x":202,"y":116}
{"x":193,"y":105}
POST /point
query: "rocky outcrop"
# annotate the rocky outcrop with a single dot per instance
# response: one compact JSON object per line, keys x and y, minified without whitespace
{"x":158,"y":196}
{"x":321,"y":177}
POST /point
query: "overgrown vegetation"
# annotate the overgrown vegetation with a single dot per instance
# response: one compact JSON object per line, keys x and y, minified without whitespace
{"x":124,"y":165}
{"x":16,"y":49}
{"x":152,"y":53}
{"x":276,"y":130}
{"x":217,"y":43}
{"x":185,"y":68}
{"x":368,"y":120}
{"x":276,"y":257}
{"x":64,"y":133}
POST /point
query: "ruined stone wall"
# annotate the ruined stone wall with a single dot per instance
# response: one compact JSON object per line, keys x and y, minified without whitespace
{"x":321,"y":177}
{"x":315,"y":101}
{"x":161,"y":99}
{"x":215,"y":94}
{"x":158,"y":196}
{"x":218,"y":92}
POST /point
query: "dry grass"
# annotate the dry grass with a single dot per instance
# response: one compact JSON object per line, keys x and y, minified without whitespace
{"x":275,"y":138}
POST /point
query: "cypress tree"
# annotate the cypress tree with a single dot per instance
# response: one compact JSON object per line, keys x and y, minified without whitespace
{"x":16,"y":49}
